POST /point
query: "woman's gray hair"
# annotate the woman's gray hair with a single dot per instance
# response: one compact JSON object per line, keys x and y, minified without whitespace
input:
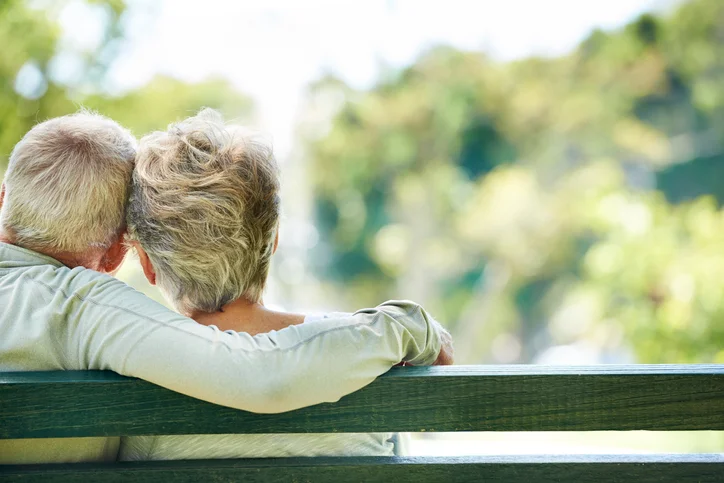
{"x":67,"y":184}
{"x":204,"y":206}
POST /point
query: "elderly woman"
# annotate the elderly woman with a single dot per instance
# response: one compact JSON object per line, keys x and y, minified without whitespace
{"x":204,"y":219}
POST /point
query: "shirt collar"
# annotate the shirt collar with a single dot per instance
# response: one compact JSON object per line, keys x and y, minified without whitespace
{"x":17,"y":254}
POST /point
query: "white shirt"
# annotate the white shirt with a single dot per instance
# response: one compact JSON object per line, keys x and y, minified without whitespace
{"x":53,"y":317}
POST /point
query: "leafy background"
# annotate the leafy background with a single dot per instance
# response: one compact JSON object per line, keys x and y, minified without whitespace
{"x":568,"y":204}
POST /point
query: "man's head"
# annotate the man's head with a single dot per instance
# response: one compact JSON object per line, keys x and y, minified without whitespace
{"x":204,"y":208}
{"x":66,"y":188}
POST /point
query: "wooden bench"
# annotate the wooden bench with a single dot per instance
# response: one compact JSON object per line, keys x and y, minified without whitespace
{"x":458,"y":398}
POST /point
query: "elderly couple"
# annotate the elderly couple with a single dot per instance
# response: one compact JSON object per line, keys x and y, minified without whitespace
{"x":199,"y":203}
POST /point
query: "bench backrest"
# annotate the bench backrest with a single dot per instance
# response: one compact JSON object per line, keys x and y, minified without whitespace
{"x":458,"y":398}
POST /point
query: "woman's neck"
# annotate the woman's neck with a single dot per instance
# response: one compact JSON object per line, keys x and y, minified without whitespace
{"x":244,"y":316}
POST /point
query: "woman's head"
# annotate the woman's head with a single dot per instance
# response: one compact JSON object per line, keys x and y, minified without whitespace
{"x":204,"y":208}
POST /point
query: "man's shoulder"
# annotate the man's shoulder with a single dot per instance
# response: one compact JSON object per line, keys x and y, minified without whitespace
{"x":78,"y":289}
{"x":67,"y":282}
{"x":109,"y":293}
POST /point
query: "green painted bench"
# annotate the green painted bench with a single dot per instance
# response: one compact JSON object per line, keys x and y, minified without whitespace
{"x":457,"y":398}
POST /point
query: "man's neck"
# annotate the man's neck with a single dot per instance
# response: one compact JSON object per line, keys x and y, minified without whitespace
{"x":244,"y":316}
{"x":70,"y":260}
{"x":5,"y":237}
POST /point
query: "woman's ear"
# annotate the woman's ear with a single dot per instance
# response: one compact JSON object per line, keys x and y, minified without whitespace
{"x":146,"y":264}
{"x":2,"y":195}
{"x":114,"y":256}
{"x":276,"y":242}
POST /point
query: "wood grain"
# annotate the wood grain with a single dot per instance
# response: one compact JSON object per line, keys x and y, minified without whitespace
{"x":457,"y":398}
{"x":509,"y":469}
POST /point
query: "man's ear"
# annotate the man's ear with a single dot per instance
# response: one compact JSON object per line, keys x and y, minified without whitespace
{"x":114,"y":256}
{"x":4,"y":233}
{"x":146,"y":264}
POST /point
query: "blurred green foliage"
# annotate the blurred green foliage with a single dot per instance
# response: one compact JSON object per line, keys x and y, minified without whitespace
{"x":563,"y":209}
{"x":34,"y":51}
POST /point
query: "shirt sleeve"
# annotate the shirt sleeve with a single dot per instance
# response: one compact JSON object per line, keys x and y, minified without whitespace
{"x":122,"y":330}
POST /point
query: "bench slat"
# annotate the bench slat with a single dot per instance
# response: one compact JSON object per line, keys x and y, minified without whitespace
{"x":509,"y":469}
{"x":457,"y":398}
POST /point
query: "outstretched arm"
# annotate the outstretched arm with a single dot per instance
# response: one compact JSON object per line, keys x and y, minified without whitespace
{"x":124,"y":331}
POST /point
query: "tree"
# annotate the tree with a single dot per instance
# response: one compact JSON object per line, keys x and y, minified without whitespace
{"x":519,"y":201}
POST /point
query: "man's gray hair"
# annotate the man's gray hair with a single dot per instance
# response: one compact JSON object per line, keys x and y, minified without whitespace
{"x":67,"y":184}
{"x":205,"y":207}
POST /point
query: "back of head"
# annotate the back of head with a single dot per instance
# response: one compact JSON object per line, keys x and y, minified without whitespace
{"x":67,"y":184}
{"x":205,"y":208}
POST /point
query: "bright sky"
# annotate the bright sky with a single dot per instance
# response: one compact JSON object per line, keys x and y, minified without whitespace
{"x":272,"y":49}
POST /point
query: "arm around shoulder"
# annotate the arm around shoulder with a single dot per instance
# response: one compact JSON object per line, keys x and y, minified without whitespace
{"x":335,"y":356}
{"x":302,"y":365}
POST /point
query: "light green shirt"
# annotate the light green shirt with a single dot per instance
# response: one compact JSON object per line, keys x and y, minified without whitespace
{"x":53,"y":317}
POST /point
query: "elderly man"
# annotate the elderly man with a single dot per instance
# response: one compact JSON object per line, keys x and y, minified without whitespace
{"x":61,"y":227}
